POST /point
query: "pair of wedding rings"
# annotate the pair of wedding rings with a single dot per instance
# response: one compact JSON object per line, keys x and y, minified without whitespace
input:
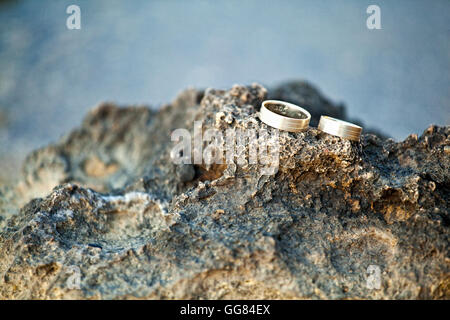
{"x":290,"y":117}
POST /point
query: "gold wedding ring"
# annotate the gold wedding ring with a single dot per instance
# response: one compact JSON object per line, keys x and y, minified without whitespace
{"x":284,"y":116}
{"x":339,"y":128}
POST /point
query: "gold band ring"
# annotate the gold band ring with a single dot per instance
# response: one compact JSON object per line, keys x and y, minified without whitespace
{"x":340,"y":128}
{"x":284,"y":116}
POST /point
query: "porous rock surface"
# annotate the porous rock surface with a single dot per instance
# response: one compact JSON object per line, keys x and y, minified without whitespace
{"x":108,"y":202}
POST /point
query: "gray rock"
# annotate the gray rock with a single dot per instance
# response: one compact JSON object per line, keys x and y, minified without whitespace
{"x":185,"y":172}
{"x":106,"y":206}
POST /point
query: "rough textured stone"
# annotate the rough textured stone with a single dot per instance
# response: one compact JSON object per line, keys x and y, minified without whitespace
{"x":108,"y":200}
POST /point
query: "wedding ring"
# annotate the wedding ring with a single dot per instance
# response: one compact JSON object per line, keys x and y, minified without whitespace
{"x":339,"y":128}
{"x":284,"y":116}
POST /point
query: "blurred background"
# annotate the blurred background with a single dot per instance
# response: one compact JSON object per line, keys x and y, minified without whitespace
{"x":395,"y":79}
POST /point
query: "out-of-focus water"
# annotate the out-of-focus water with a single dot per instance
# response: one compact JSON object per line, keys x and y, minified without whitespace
{"x":396,"y":79}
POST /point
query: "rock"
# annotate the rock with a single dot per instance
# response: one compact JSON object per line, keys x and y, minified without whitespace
{"x":106,"y":214}
{"x":185,"y":172}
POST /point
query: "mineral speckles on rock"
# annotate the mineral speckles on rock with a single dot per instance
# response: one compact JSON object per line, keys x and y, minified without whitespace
{"x":136,"y":225}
